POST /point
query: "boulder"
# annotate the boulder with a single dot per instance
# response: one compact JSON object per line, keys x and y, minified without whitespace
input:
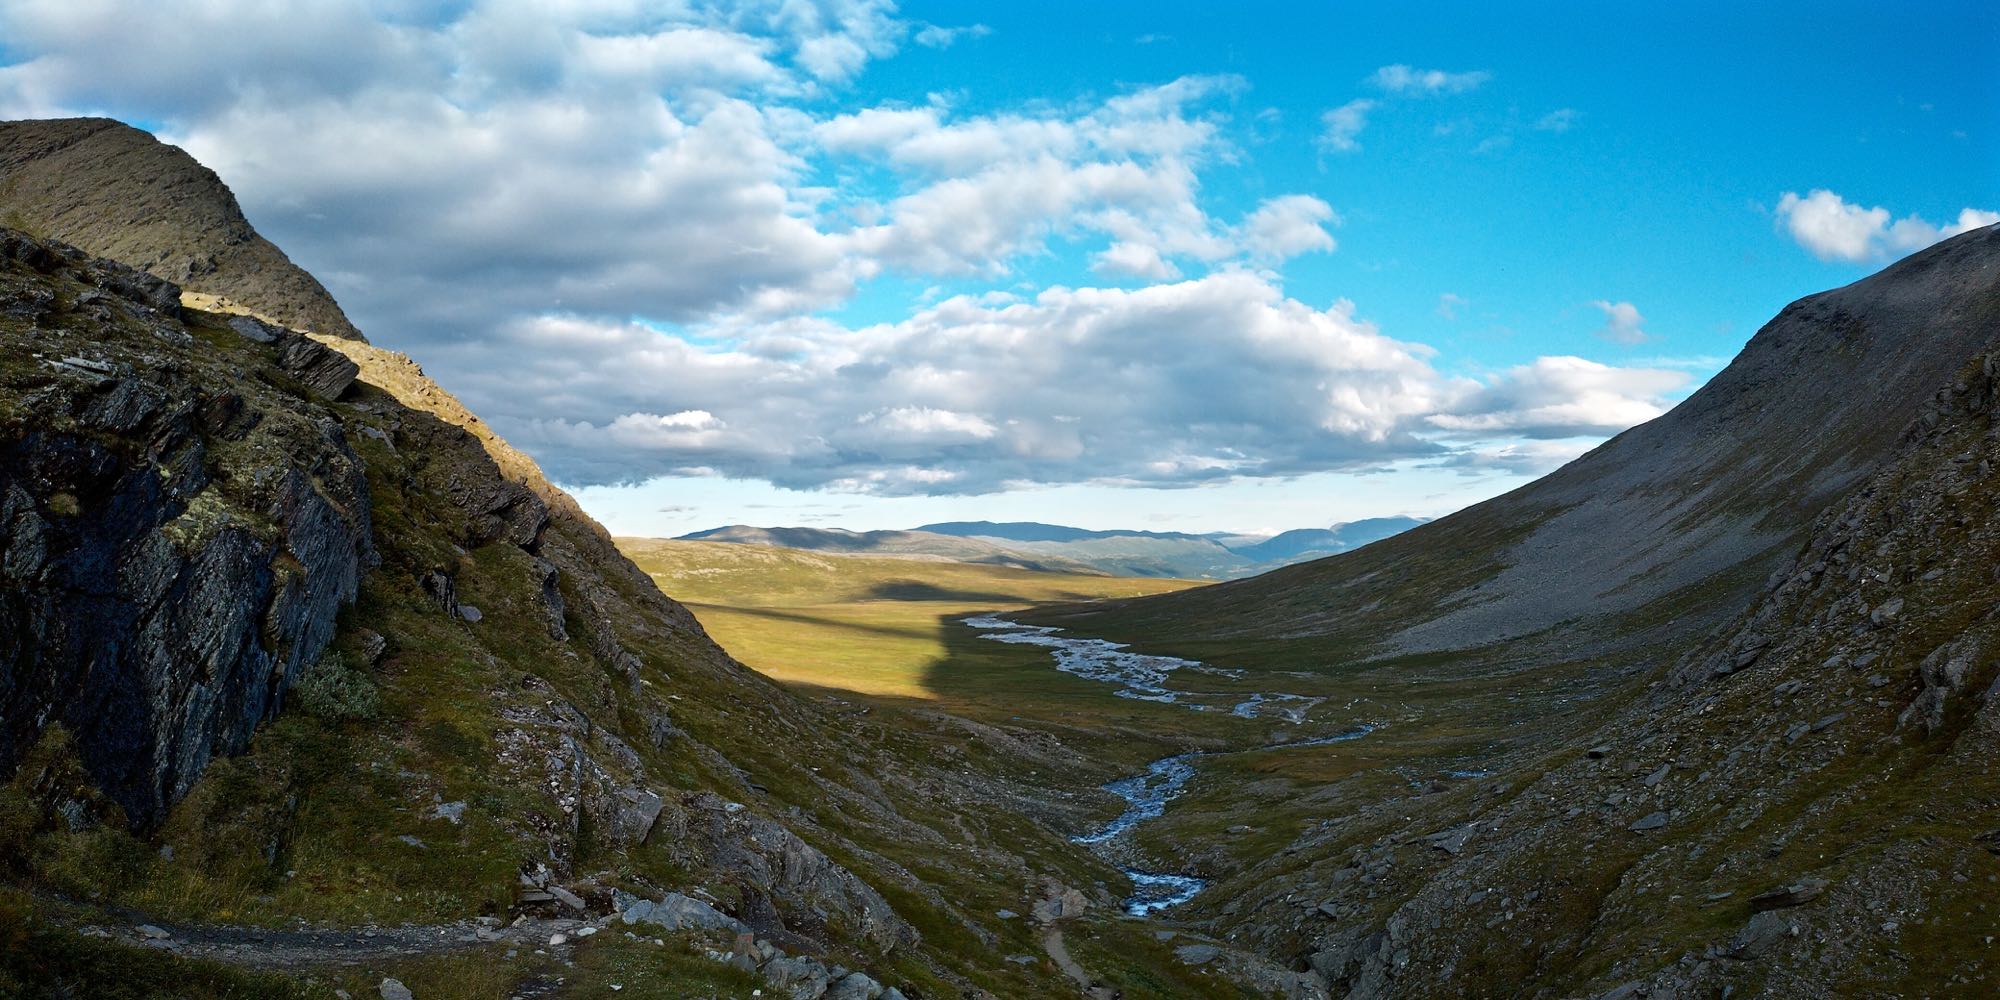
{"x":1197,"y":954}
{"x":1758,"y":937}
{"x":854,"y":986}
{"x":256,"y":330}
{"x":320,"y":368}
{"x":801,"y":978}
{"x":1061,"y":904}
{"x":1796,"y":894}
{"x":677,"y":912}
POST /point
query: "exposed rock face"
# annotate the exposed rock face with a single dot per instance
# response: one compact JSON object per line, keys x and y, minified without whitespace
{"x":163,"y":583}
{"x":773,"y":859}
{"x":117,"y":192}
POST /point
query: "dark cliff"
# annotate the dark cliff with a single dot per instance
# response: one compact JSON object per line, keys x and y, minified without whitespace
{"x":163,"y":585}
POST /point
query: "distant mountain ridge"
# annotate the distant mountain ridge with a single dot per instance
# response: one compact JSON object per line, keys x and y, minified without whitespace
{"x":1037,"y":531}
{"x":901,"y":544}
{"x":1063,"y":548}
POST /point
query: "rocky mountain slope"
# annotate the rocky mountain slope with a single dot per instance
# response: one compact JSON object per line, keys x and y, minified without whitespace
{"x":117,"y":192}
{"x":1696,"y":507}
{"x":293,"y":645}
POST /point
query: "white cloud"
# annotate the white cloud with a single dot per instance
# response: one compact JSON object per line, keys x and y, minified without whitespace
{"x":984,"y":190}
{"x":615,"y":229}
{"x":1559,"y":120}
{"x":1400,"y":79}
{"x":1166,"y":384}
{"x":1342,"y":126}
{"x":935,"y":36}
{"x":1833,"y":228}
{"x":1559,"y":397}
{"x":1451,"y":304}
{"x":1622,"y":323}
{"x":1171,"y":384}
{"x":1286,"y":227}
{"x":1519,"y":458}
{"x":1134,"y":260}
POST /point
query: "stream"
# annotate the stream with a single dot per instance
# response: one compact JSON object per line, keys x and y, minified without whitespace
{"x":1143,"y":677}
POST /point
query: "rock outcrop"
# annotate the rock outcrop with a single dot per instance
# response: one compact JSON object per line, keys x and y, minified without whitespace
{"x":177,"y":542}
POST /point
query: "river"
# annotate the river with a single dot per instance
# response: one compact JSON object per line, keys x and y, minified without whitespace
{"x":1143,"y":677}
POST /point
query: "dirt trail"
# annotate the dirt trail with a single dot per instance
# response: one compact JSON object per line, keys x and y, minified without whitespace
{"x":1052,"y":942}
{"x":312,"y":947}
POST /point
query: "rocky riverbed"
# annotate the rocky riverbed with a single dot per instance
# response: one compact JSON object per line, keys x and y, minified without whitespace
{"x":1144,"y":677}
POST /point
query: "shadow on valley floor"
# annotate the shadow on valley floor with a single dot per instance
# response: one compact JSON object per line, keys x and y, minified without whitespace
{"x":919,"y":590}
{"x":802,"y":618}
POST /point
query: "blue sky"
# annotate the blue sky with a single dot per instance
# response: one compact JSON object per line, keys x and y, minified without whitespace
{"x":1163,"y":265}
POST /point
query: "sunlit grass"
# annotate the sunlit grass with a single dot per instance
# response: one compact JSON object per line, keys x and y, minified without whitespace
{"x":872,"y":626}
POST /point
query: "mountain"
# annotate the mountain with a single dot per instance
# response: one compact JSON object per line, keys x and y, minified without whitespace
{"x":1304,"y":543}
{"x":309,"y":681}
{"x":1036,"y":531}
{"x":1723,"y":691}
{"x":1697,"y":506}
{"x":904,"y":544}
{"x":117,"y":192}
{"x":1060,"y":548}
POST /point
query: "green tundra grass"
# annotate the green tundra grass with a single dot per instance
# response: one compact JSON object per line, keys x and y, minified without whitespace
{"x":870,"y":625}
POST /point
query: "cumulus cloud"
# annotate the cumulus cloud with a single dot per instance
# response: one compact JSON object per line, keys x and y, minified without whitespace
{"x":1286,"y":227}
{"x":1341,"y":127}
{"x":981,"y":191}
{"x":1166,"y":385}
{"x":618,"y":231}
{"x":1622,"y":323}
{"x":1519,"y":458}
{"x":933,"y":36}
{"x":1134,"y":260}
{"x":1833,"y":228}
{"x":1400,"y":79}
{"x":1561,"y":397}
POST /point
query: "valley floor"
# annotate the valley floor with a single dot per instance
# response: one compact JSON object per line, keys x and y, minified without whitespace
{"x":1211,"y":768}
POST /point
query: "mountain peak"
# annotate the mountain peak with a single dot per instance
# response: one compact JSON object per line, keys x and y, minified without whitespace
{"x":117,"y":191}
